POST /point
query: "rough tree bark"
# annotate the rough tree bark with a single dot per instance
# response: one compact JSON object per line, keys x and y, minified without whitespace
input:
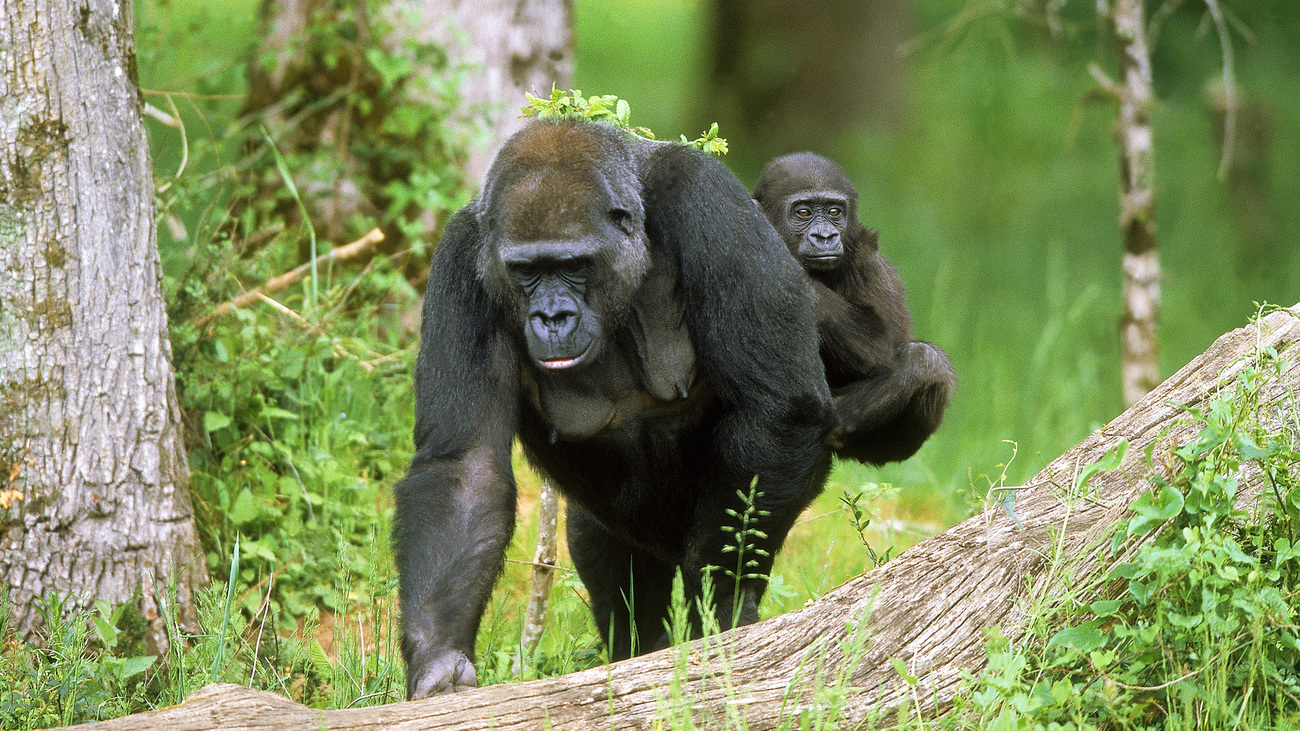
{"x":1139,"y":352}
{"x":91,"y":458}
{"x":926,"y":607}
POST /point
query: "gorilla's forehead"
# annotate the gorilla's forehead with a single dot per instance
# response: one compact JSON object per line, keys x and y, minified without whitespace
{"x":551,"y":203}
{"x":560,"y":179}
{"x":821,"y":197}
{"x":804,"y":171}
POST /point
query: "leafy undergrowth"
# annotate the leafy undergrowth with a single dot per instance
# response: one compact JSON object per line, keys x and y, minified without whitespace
{"x":1195,"y":628}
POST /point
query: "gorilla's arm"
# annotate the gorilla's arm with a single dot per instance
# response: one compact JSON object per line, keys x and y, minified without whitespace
{"x":857,"y":341}
{"x":455,"y":511}
{"x":890,"y":392}
{"x":752,"y":325}
{"x":888,"y":417}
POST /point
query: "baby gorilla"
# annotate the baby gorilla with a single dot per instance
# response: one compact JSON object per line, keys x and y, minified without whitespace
{"x":890,"y":391}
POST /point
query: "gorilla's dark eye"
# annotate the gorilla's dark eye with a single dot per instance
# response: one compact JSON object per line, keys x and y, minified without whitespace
{"x":572,"y":268}
{"x":835,"y":211}
{"x":803,"y":211}
{"x":525,"y":274}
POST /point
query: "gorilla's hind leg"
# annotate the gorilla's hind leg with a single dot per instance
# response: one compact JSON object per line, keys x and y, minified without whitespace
{"x":630,"y":590}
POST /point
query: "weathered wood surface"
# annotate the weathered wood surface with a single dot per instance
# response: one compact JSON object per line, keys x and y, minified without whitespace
{"x":927,"y":606}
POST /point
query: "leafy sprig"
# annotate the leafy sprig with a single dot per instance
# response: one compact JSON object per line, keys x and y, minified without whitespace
{"x":571,"y":104}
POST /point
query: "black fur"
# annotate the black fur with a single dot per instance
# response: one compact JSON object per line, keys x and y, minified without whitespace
{"x":623,"y":308}
{"x":890,"y":392}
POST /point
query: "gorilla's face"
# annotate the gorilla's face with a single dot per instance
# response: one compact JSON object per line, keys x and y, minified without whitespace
{"x":560,"y":327}
{"x":813,"y":228}
{"x":564,"y":258}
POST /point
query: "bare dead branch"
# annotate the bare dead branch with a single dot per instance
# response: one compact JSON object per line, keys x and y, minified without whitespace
{"x":341,"y":254}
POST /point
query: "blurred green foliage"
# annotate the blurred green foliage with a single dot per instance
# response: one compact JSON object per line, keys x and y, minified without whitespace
{"x":995,"y":195}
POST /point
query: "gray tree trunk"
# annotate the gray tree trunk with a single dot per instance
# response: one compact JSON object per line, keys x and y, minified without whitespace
{"x":926,"y":608}
{"x":508,"y":46}
{"x":91,"y":459}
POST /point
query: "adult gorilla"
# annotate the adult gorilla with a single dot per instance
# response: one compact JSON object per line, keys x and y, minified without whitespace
{"x":890,"y":392}
{"x":623,"y":307}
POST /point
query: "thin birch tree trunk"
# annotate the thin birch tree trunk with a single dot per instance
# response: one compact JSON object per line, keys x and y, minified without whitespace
{"x":1139,"y":350}
{"x":91,"y":459}
{"x":539,"y":588}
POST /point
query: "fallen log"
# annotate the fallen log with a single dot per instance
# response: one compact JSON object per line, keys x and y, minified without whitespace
{"x":924,"y":610}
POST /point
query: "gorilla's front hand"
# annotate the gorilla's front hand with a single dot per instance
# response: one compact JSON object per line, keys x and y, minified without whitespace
{"x":445,"y":673}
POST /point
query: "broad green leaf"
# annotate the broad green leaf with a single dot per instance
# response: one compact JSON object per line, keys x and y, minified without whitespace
{"x":243,"y":510}
{"x":1106,"y":607}
{"x":212,"y":421}
{"x":132,"y":666}
{"x":107,"y":632}
{"x":271,"y":412}
{"x":1151,"y":511}
{"x":1085,"y":638}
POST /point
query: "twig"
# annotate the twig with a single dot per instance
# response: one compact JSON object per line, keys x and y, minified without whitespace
{"x":189,"y":95}
{"x":539,"y":591}
{"x":185,"y":142}
{"x":337,"y":349}
{"x":343,"y":253}
{"x":1107,"y":84}
{"x":1229,"y":89}
{"x":266,"y":607}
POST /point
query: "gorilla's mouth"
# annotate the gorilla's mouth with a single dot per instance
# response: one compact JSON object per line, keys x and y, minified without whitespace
{"x":826,"y":261}
{"x":559,"y":364}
